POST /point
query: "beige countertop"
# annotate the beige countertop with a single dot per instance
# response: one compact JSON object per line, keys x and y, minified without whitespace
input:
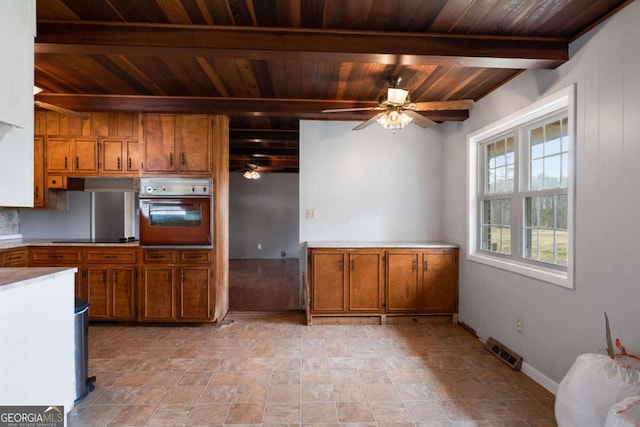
{"x":379,"y":244}
{"x":17,"y":276}
{"x":18,"y":243}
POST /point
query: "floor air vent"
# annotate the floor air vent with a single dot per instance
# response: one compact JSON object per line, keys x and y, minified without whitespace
{"x":504,"y":353}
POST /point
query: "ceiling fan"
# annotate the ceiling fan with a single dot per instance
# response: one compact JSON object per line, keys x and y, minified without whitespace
{"x":56,"y":108}
{"x":397,"y":110}
{"x":250,"y":170}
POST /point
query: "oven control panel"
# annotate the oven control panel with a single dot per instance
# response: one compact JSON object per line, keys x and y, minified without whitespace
{"x":159,"y":187}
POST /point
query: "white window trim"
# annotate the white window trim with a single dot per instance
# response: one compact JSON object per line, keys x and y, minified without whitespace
{"x":562,"y":99}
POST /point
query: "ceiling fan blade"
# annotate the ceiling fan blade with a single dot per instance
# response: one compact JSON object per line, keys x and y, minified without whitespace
{"x":419,"y":119}
{"x":61,"y":110}
{"x":340,"y":110}
{"x":368,"y":122}
{"x":461,"y":104}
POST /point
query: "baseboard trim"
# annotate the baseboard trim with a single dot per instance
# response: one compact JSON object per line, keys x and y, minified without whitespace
{"x":546,"y":382}
{"x":540,"y":378}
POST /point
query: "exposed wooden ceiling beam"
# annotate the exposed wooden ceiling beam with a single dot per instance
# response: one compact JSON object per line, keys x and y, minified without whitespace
{"x":267,"y":107}
{"x":114,"y":38}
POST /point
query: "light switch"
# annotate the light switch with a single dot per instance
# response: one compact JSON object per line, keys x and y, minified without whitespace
{"x":310,"y":213}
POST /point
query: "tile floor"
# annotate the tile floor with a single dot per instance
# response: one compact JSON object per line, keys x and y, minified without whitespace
{"x":271,"y":369}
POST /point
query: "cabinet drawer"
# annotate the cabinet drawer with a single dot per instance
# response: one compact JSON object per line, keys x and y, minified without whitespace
{"x":114,"y":256}
{"x":195,"y":256}
{"x":57,"y":256}
{"x":14,"y":257}
{"x":159,"y":255}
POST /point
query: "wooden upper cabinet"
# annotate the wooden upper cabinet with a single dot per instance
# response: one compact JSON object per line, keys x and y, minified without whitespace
{"x":119,"y":156}
{"x":178,"y":144}
{"x":194,"y":140}
{"x":77,"y":156}
{"x":159,"y":142}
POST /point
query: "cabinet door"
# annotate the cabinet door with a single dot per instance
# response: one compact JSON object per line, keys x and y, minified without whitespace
{"x":403,"y":278}
{"x":16,"y":257}
{"x":133,"y":156}
{"x":85,"y":159}
{"x":58,"y":155}
{"x":159,"y":143}
{"x":38,"y":172}
{"x":365,"y":281}
{"x":440,"y":290}
{"x":122,"y":294}
{"x":158,"y":294}
{"x":194,"y":138}
{"x":328,"y":280}
{"x":112,"y":156}
{"x":195,"y":293}
{"x":97,"y":292}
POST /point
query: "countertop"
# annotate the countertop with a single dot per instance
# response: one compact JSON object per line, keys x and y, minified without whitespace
{"x":17,"y":276}
{"x":18,"y":243}
{"x":380,"y":244}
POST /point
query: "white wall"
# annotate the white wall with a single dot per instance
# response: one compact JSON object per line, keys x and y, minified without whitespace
{"x":263,"y":211}
{"x":369,"y":185}
{"x":17,"y":31}
{"x":560,"y":324}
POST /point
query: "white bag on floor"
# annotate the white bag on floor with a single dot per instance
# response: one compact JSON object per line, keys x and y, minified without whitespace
{"x":625,"y":413}
{"x":592,"y":385}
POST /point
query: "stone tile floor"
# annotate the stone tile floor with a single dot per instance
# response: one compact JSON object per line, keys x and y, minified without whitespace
{"x":271,"y":369}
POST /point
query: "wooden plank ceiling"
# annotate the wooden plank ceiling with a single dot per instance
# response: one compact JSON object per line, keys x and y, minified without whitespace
{"x":269,"y":63}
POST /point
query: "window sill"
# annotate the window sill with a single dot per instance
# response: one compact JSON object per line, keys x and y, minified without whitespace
{"x":559,"y":278}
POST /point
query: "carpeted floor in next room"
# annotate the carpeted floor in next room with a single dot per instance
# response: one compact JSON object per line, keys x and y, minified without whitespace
{"x":264,"y":284}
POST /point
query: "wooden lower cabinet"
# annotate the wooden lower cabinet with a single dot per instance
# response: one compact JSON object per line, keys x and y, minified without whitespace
{"x":176,"y":285}
{"x":110,"y":283}
{"x":346,"y":281}
{"x":422,"y":281}
{"x":383,"y":281}
{"x":59,"y":256}
{"x":14,"y":257}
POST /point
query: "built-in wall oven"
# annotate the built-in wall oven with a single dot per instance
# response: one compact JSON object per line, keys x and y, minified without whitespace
{"x":176,"y":212}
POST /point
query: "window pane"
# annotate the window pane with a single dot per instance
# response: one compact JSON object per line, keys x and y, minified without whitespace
{"x":536,"y":138}
{"x":500,"y":166}
{"x":552,"y":139}
{"x":537,"y":174}
{"x":545,"y":229}
{"x":552,"y":167}
{"x":495,"y":229}
{"x":564,"y":166}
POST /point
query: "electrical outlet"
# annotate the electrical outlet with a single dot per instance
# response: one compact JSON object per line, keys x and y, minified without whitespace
{"x":520,"y":326}
{"x":259,"y":246}
{"x":310,"y":213}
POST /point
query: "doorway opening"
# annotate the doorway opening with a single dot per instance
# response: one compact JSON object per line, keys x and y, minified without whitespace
{"x":264,"y":265}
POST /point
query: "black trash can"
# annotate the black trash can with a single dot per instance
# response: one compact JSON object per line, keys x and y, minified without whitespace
{"x":84,"y":384}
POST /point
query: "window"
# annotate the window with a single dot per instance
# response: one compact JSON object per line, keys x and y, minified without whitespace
{"x":521,"y":191}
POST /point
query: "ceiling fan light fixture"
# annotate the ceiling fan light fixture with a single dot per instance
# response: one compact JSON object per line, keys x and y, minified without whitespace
{"x":251,"y":174}
{"x":396,"y":96}
{"x":394,"y":120}
{"x":36,"y":90}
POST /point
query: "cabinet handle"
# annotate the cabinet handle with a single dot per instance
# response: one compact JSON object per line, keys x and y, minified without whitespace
{"x":353,"y":265}
{"x":414,"y":267}
{"x":129,"y":163}
{"x":115,"y":277}
{"x":77,"y":163}
{"x":182,"y":158}
{"x":170,"y":159}
{"x":169,"y":276}
{"x":426,"y":265}
{"x":37,"y":194}
{"x":119,"y":167}
{"x":65,"y":162}
{"x":341,"y":265}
